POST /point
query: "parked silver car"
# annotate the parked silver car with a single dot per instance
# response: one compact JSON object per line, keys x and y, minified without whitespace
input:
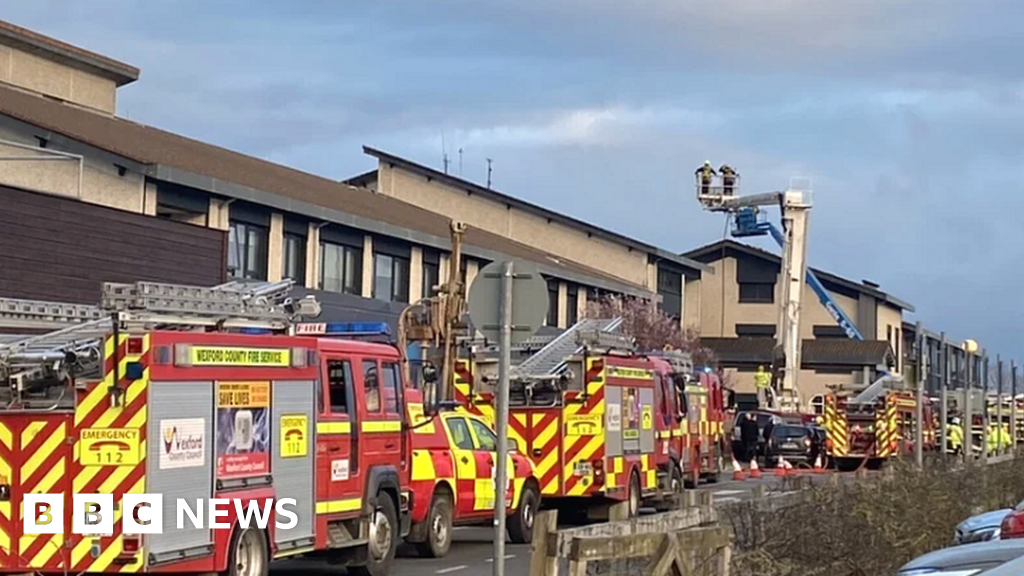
{"x":967,"y":560}
{"x":980,"y":528}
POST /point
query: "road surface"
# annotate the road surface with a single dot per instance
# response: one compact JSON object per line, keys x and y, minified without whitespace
{"x":472,"y":547}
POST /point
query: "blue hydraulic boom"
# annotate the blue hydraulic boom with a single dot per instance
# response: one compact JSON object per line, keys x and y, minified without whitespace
{"x":748,"y":221}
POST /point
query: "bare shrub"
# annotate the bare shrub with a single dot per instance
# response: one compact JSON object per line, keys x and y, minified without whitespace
{"x":868,"y":527}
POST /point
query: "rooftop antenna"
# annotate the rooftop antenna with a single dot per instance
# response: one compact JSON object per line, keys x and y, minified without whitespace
{"x":460,"y":162}
{"x":489,"y":161}
{"x":444,"y":154}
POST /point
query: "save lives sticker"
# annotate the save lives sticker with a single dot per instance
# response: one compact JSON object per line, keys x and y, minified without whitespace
{"x":109,"y":446}
{"x":182,"y":443}
{"x":293,"y":435}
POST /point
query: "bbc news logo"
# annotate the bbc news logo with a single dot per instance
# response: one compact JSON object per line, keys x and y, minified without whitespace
{"x":93,"y":514}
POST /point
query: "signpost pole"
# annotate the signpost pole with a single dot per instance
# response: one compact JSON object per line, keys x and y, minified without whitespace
{"x":943,"y":395}
{"x":504,"y":367}
{"x":922,"y":365}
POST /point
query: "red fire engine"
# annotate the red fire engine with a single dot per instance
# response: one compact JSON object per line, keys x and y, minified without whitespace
{"x":606,"y":424}
{"x":453,"y":469}
{"x":874,"y":425}
{"x":198,"y":415}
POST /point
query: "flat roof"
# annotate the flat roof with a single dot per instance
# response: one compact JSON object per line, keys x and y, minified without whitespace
{"x":512,"y":201}
{"x":70,"y":54}
{"x":713,"y":251}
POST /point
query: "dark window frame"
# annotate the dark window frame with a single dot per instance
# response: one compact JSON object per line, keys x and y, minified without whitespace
{"x":399,"y":283}
{"x":371,"y":384}
{"x":240,"y":239}
{"x":348,"y":285}
{"x":756,"y":293}
{"x":344,"y":409}
{"x":294,"y":256}
{"x":756,"y":330}
{"x":572,"y":304}
{"x":553,"y":291}
{"x":392,"y":379}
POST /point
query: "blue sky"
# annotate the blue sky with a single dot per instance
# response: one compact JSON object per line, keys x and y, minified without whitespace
{"x":907,"y":114}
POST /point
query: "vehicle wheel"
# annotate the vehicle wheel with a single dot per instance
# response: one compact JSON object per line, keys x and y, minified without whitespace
{"x":675,"y":487}
{"x":383,"y":539}
{"x":634,"y":495}
{"x":249,"y":554}
{"x":439,"y":528}
{"x":520,"y":525}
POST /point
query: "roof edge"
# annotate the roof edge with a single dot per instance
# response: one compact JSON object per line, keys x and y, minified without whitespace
{"x":828,"y":276}
{"x":118,"y":71}
{"x":231,"y":190}
{"x":534,"y":208}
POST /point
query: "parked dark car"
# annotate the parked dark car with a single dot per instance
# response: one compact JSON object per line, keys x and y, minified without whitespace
{"x":794,"y":443}
{"x":762,"y":418}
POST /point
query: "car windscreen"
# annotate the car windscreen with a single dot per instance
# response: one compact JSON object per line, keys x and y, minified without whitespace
{"x":790,"y":432}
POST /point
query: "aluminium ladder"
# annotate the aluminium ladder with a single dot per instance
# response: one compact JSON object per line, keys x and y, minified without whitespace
{"x":74,"y":344}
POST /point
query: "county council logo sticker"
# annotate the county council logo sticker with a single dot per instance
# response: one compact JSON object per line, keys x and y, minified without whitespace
{"x":184,"y":443}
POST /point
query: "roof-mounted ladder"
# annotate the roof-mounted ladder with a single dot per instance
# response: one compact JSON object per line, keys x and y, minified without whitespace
{"x":551,"y":359}
{"x":75,"y":343}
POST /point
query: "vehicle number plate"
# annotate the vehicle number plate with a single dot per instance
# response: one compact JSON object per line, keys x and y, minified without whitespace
{"x":583,"y":469}
{"x":790,"y":445}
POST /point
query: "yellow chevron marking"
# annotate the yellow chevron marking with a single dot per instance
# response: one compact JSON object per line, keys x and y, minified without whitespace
{"x":5,"y":436}
{"x":53,"y":546}
{"x":45,"y":450}
{"x":547,"y":434}
{"x":48,"y":481}
{"x":5,"y":540}
{"x":585,"y":454}
{"x":552,"y":486}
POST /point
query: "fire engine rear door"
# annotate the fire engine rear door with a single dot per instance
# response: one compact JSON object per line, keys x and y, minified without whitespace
{"x":294,"y":459}
{"x":35,"y":458}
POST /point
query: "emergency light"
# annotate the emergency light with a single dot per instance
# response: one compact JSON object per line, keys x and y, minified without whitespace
{"x":347,"y":329}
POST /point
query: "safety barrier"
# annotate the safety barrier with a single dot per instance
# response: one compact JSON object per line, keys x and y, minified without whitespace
{"x":689,"y":541}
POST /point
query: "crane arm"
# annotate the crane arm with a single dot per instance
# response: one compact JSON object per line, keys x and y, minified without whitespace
{"x":837,"y":313}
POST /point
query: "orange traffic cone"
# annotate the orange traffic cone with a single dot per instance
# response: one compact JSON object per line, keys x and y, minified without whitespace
{"x":780,"y":468}
{"x":737,"y":470}
{"x":818,"y":468}
{"x":755,"y":471}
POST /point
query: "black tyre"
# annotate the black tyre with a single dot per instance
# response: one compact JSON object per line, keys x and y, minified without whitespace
{"x":634,"y":495}
{"x":249,"y":554}
{"x":520,"y":525}
{"x":383,"y":539}
{"x":675,"y":489}
{"x":439,"y":528}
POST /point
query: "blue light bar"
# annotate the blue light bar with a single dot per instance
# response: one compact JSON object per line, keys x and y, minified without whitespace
{"x":349,"y":329}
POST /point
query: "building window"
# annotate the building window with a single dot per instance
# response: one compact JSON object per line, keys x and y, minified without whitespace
{"x":431,"y":272}
{"x":390,"y":278}
{"x":295,"y":258}
{"x":755,"y":330}
{"x":573,"y":303}
{"x":341,"y":268}
{"x":670,"y":288}
{"x":757,"y":293}
{"x":247,"y":251}
{"x":552,"y":319}
{"x":829,"y":332}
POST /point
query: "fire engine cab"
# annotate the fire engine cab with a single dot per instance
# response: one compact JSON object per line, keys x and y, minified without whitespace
{"x":453,"y":471}
{"x":604,"y":424}
{"x":152,"y":394}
